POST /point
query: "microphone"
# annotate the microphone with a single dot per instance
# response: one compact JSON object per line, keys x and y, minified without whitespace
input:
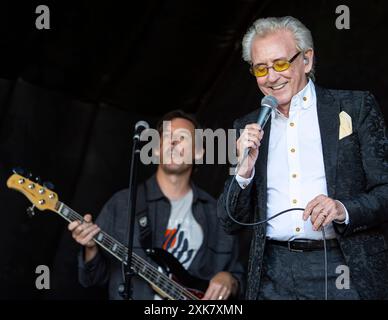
{"x":140,"y":126}
{"x":268,"y":103}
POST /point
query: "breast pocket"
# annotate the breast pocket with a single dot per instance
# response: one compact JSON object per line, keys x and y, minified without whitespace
{"x":350,"y":171}
{"x":349,"y":148}
{"x":352,"y":138}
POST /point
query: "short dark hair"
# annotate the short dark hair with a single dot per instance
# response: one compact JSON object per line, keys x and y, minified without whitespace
{"x":177,"y":114}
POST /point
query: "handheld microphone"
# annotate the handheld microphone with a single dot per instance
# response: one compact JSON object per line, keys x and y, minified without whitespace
{"x":140,"y":126}
{"x":268,"y":103}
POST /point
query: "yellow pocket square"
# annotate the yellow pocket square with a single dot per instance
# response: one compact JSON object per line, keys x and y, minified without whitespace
{"x":346,"y":128}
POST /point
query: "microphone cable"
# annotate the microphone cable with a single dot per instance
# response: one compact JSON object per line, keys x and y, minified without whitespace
{"x":273,"y":217}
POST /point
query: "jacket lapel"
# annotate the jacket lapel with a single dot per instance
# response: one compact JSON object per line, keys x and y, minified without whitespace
{"x":328,"y":110}
{"x":261,"y":168}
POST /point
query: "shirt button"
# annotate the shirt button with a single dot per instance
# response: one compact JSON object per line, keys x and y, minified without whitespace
{"x":293,"y":150}
{"x":304,"y":98}
{"x":244,"y":185}
{"x":294,"y":201}
{"x":294,"y":175}
{"x":292,"y":124}
{"x":297,"y":229}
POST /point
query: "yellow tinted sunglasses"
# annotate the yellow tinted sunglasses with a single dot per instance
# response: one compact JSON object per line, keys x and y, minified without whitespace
{"x":261,"y":70}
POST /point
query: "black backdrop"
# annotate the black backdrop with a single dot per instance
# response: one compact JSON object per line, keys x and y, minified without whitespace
{"x":69,"y":97}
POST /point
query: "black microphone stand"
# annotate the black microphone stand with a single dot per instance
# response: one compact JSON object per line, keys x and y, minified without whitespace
{"x":125,"y":289}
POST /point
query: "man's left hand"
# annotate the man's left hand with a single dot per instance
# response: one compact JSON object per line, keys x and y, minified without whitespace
{"x":324,"y":210}
{"x":221,"y":286}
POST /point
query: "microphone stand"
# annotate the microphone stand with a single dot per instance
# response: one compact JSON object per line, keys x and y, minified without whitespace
{"x":125,"y":289}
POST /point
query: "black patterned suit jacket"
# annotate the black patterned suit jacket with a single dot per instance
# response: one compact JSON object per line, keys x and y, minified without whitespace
{"x":356,"y":170}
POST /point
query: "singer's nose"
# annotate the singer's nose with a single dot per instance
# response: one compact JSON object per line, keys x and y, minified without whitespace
{"x":272,"y":76}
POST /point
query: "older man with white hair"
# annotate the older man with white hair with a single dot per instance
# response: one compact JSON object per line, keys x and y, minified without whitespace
{"x":323,"y":151}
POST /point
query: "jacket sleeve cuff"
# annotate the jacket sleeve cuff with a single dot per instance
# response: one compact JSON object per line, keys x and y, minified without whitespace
{"x":90,"y":265}
{"x":244,"y":182}
{"x":346,"y":221}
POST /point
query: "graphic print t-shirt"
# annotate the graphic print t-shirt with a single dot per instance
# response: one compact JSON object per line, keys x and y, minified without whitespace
{"x":184,"y":235}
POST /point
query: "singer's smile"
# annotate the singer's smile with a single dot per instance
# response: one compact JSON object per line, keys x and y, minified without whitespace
{"x":279,"y":87}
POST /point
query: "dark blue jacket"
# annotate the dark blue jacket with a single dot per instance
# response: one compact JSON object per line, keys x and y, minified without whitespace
{"x":218,"y":252}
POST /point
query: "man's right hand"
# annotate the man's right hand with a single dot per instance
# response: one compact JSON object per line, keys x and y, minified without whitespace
{"x":83,"y":233}
{"x":250,"y":138}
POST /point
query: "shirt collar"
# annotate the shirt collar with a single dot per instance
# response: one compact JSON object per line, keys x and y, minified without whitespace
{"x":304,"y":99}
{"x":154,"y":192}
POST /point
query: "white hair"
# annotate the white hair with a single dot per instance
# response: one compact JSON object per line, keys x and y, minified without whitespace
{"x":264,"y":26}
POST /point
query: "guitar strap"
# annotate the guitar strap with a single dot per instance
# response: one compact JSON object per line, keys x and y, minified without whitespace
{"x":143,"y":219}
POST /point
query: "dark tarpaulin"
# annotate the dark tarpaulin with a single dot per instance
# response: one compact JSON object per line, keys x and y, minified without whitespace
{"x":69,"y":98}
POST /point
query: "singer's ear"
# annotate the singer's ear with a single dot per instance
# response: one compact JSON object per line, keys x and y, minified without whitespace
{"x":308,"y":59}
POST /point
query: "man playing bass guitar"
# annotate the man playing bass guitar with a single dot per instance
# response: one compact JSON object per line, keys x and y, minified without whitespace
{"x":171,"y":213}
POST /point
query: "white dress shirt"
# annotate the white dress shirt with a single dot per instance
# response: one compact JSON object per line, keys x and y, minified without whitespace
{"x":295,"y":169}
